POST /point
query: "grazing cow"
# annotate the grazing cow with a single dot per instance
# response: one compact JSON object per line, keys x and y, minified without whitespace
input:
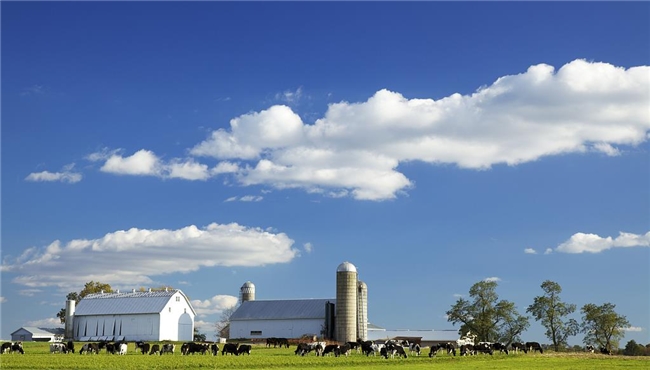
{"x":144,"y":347}
{"x":534,"y":346}
{"x":17,"y":347}
{"x":500,"y":347}
{"x":484,"y":347}
{"x":393,"y":348}
{"x":70,"y":346}
{"x":383,"y":352}
{"x":366,"y":348}
{"x":302,"y":349}
{"x":58,"y":348}
{"x":590,"y":348}
{"x":329,"y":349}
{"x":354,"y":346}
{"x":89,"y":348}
{"x":376,"y":348}
{"x":154,"y":349}
{"x":214,"y":349}
{"x":110,"y":347}
{"x":467,"y":349}
{"x":605,"y":351}
{"x":167,"y":348}
{"x":121,"y":347}
{"x":244,"y":348}
{"x":6,"y":347}
{"x":343,"y":350}
{"x":414,"y":347}
{"x":230,"y":348}
{"x":517,"y":346}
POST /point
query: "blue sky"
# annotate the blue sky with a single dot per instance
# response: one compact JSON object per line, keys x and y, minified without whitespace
{"x":433,"y":145}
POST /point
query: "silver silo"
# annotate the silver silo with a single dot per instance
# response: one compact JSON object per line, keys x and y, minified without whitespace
{"x":68,"y":332}
{"x":346,"y":303}
{"x":247,"y":292}
{"x":362,"y":310}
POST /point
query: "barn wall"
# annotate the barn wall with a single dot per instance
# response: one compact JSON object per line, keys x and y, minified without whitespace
{"x":132,"y":327}
{"x":21,"y":335}
{"x":276,"y":328}
{"x":177,"y":320}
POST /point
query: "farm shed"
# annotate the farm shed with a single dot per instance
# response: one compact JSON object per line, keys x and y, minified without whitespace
{"x":147,"y":316}
{"x":279,"y":318}
{"x":34,"y":334}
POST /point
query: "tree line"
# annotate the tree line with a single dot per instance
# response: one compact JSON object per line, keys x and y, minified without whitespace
{"x":494,"y":320}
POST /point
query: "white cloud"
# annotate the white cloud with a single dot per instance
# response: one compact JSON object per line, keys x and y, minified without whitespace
{"x":548,"y":251}
{"x":3,"y":299}
{"x":308,"y":247}
{"x":231,"y":199}
{"x":633,"y":328}
{"x":214,"y":305}
{"x":33,"y":90}
{"x":530,"y":251}
{"x":165,"y":251}
{"x":456,"y":295}
{"x":147,"y":163}
{"x":224,"y":167}
{"x":251,"y":198}
{"x":493,"y":278}
{"x":183,"y":282}
{"x":142,"y":162}
{"x":289,"y":96}
{"x":358,"y":147}
{"x":52,"y":322}
{"x":592,"y":243}
{"x":102,"y":155}
{"x":29,"y":292}
{"x":66,"y":175}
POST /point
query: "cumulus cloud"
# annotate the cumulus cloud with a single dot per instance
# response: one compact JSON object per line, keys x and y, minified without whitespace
{"x":65,"y":175}
{"x":214,"y":305}
{"x":165,"y":251}
{"x":493,"y":278}
{"x":548,"y":251}
{"x":245,"y":198}
{"x":592,"y":243}
{"x":29,"y":292}
{"x":147,"y":163}
{"x":530,"y":251}
{"x":289,"y":96}
{"x":633,"y":328}
{"x":308,"y":247}
{"x":355,"y":149}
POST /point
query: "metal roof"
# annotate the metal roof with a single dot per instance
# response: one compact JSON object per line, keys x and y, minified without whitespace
{"x":281,"y":309}
{"x":126,"y":303}
{"x":346,"y":267}
{"x":41,"y":332}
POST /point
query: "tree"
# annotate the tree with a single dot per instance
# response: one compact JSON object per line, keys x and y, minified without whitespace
{"x":634,"y":349}
{"x":551,"y":311}
{"x":198,"y":336}
{"x":89,"y":288}
{"x":602,"y":326}
{"x":222,"y":326}
{"x":486,"y":316}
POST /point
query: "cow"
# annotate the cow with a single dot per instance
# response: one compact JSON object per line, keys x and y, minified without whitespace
{"x":58,"y":348}
{"x":590,"y":348}
{"x":500,"y":347}
{"x":230,"y":348}
{"x":534,"y":346}
{"x":517,"y":346}
{"x":376,"y":348}
{"x":302,"y":349}
{"x":6,"y":347}
{"x":142,"y":346}
{"x":329,"y":349}
{"x":484,"y":347}
{"x":154,"y":349}
{"x":414,"y":347}
{"x":110,"y":347}
{"x":466,"y":349}
{"x":17,"y":347}
{"x":393,"y":348}
{"x":70,"y":346}
{"x":244,"y":349}
{"x":89,"y":348}
{"x":343,"y":350}
{"x":354,"y":346}
{"x":167,"y":348}
{"x":214,"y":349}
{"x":605,"y":351}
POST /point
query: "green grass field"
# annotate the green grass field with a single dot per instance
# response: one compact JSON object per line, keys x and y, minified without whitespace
{"x":37,"y":356}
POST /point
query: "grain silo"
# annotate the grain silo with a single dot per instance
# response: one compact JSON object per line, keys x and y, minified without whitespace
{"x":247,"y":292}
{"x":362,"y":310}
{"x":69,"y":319}
{"x":346,"y":302}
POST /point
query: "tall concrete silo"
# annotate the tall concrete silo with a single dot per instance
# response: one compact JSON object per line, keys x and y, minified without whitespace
{"x":362,"y":310}
{"x":346,"y":302}
{"x":69,"y":319}
{"x":247,"y":292}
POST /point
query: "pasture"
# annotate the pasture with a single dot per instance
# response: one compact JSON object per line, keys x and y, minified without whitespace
{"x":37,"y":356}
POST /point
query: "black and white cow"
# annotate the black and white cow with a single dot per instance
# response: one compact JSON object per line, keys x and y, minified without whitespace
{"x":167,"y":348}
{"x":244,"y":349}
{"x":230,"y":348}
{"x":70,"y":346}
{"x":329,"y":349}
{"x":484,"y":347}
{"x":155,"y":349}
{"x":343,"y":350}
{"x":142,"y":346}
{"x":393,"y":349}
{"x":517,"y":346}
{"x":467,"y":349}
{"x":58,"y":348}
{"x":590,"y":348}
{"x":605,"y":351}
{"x":414,"y":347}
{"x":534,"y":346}
{"x":6,"y":347}
{"x":502,"y":348}
{"x":92,"y":348}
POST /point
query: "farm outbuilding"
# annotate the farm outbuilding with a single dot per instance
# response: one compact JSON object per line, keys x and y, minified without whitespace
{"x":34,"y":334}
{"x":147,"y":316}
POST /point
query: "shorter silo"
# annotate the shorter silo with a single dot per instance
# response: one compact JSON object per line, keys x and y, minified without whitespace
{"x":247,"y":292}
{"x":362,"y":310}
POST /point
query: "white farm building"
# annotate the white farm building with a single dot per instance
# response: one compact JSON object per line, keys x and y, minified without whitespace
{"x":146,"y":316}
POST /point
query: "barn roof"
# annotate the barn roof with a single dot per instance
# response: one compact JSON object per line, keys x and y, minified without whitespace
{"x":281,"y":309}
{"x":126,"y":303}
{"x":40,"y":332}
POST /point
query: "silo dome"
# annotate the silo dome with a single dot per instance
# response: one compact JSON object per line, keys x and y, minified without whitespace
{"x":247,"y":292}
{"x":248,"y":284}
{"x":346,"y":267}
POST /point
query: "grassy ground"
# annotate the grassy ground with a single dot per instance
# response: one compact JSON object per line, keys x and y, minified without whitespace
{"x":37,"y":356}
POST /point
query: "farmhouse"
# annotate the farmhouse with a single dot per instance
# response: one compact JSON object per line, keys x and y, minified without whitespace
{"x":133,"y":316}
{"x":30,"y":333}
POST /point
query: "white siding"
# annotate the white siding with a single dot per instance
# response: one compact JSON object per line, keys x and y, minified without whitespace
{"x":177,"y":314}
{"x":132,"y":327}
{"x":275,"y":328}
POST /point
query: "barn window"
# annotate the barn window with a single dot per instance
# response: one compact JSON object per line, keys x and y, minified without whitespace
{"x":170,"y":309}
{"x":256,"y":332}
{"x":184,"y":310}
{"x":178,"y":299}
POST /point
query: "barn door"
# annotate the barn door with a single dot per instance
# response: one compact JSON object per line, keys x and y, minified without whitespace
{"x":185,"y":330}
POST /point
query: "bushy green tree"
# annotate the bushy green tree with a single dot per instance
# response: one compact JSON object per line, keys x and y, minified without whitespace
{"x":89,"y":288}
{"x":602,"y":326}
{"x":486,"y":316}
{"x":552,"y":312}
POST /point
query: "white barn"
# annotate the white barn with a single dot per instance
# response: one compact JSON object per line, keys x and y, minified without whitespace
{"x":146,"y":316}
{"x":31,"y":333}
{"x":279,"y":318}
